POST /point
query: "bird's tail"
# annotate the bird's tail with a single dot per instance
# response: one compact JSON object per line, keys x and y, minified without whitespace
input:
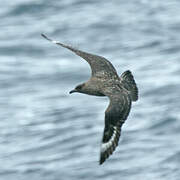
{"x":128,"y":82}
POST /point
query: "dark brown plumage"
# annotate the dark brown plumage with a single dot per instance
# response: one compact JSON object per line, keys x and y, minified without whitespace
{"x":121,"y":91}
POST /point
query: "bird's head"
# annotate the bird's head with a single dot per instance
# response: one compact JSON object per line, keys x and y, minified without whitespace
{"x":80,"y":88}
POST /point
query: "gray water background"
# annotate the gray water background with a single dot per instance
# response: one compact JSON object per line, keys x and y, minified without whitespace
{"x":47,"y":134}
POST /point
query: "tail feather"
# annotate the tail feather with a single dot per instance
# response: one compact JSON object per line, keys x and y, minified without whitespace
{"x":127,"y":80}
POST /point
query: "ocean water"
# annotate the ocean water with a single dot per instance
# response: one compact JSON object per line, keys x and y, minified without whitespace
{"x":47,"y":134}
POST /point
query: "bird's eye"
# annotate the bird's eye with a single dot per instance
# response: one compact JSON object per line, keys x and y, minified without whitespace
{"x":79,"y":87}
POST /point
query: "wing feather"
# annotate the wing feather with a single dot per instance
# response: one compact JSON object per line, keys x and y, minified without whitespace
{"x":100,"y":66}
{"x":115,"y":116}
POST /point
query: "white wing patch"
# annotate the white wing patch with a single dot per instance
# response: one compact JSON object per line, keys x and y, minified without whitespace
{"x":107,"y":145}
{"x":55,"y":42}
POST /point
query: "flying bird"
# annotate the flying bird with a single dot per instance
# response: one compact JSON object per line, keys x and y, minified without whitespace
{"x":104,"y":81}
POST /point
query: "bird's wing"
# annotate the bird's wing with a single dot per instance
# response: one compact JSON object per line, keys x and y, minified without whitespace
{"x":115,"y":116}
{"x":100,"y":66}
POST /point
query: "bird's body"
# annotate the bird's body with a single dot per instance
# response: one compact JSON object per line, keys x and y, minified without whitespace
{"x":121,"y":91}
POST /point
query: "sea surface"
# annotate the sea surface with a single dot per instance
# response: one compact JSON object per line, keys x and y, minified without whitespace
{"x":48,"y":134}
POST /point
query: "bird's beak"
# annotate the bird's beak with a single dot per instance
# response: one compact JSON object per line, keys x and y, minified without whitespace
{"x":72,"y":91}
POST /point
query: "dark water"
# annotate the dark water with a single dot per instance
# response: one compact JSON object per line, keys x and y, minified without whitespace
{"x":47,"y":134}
